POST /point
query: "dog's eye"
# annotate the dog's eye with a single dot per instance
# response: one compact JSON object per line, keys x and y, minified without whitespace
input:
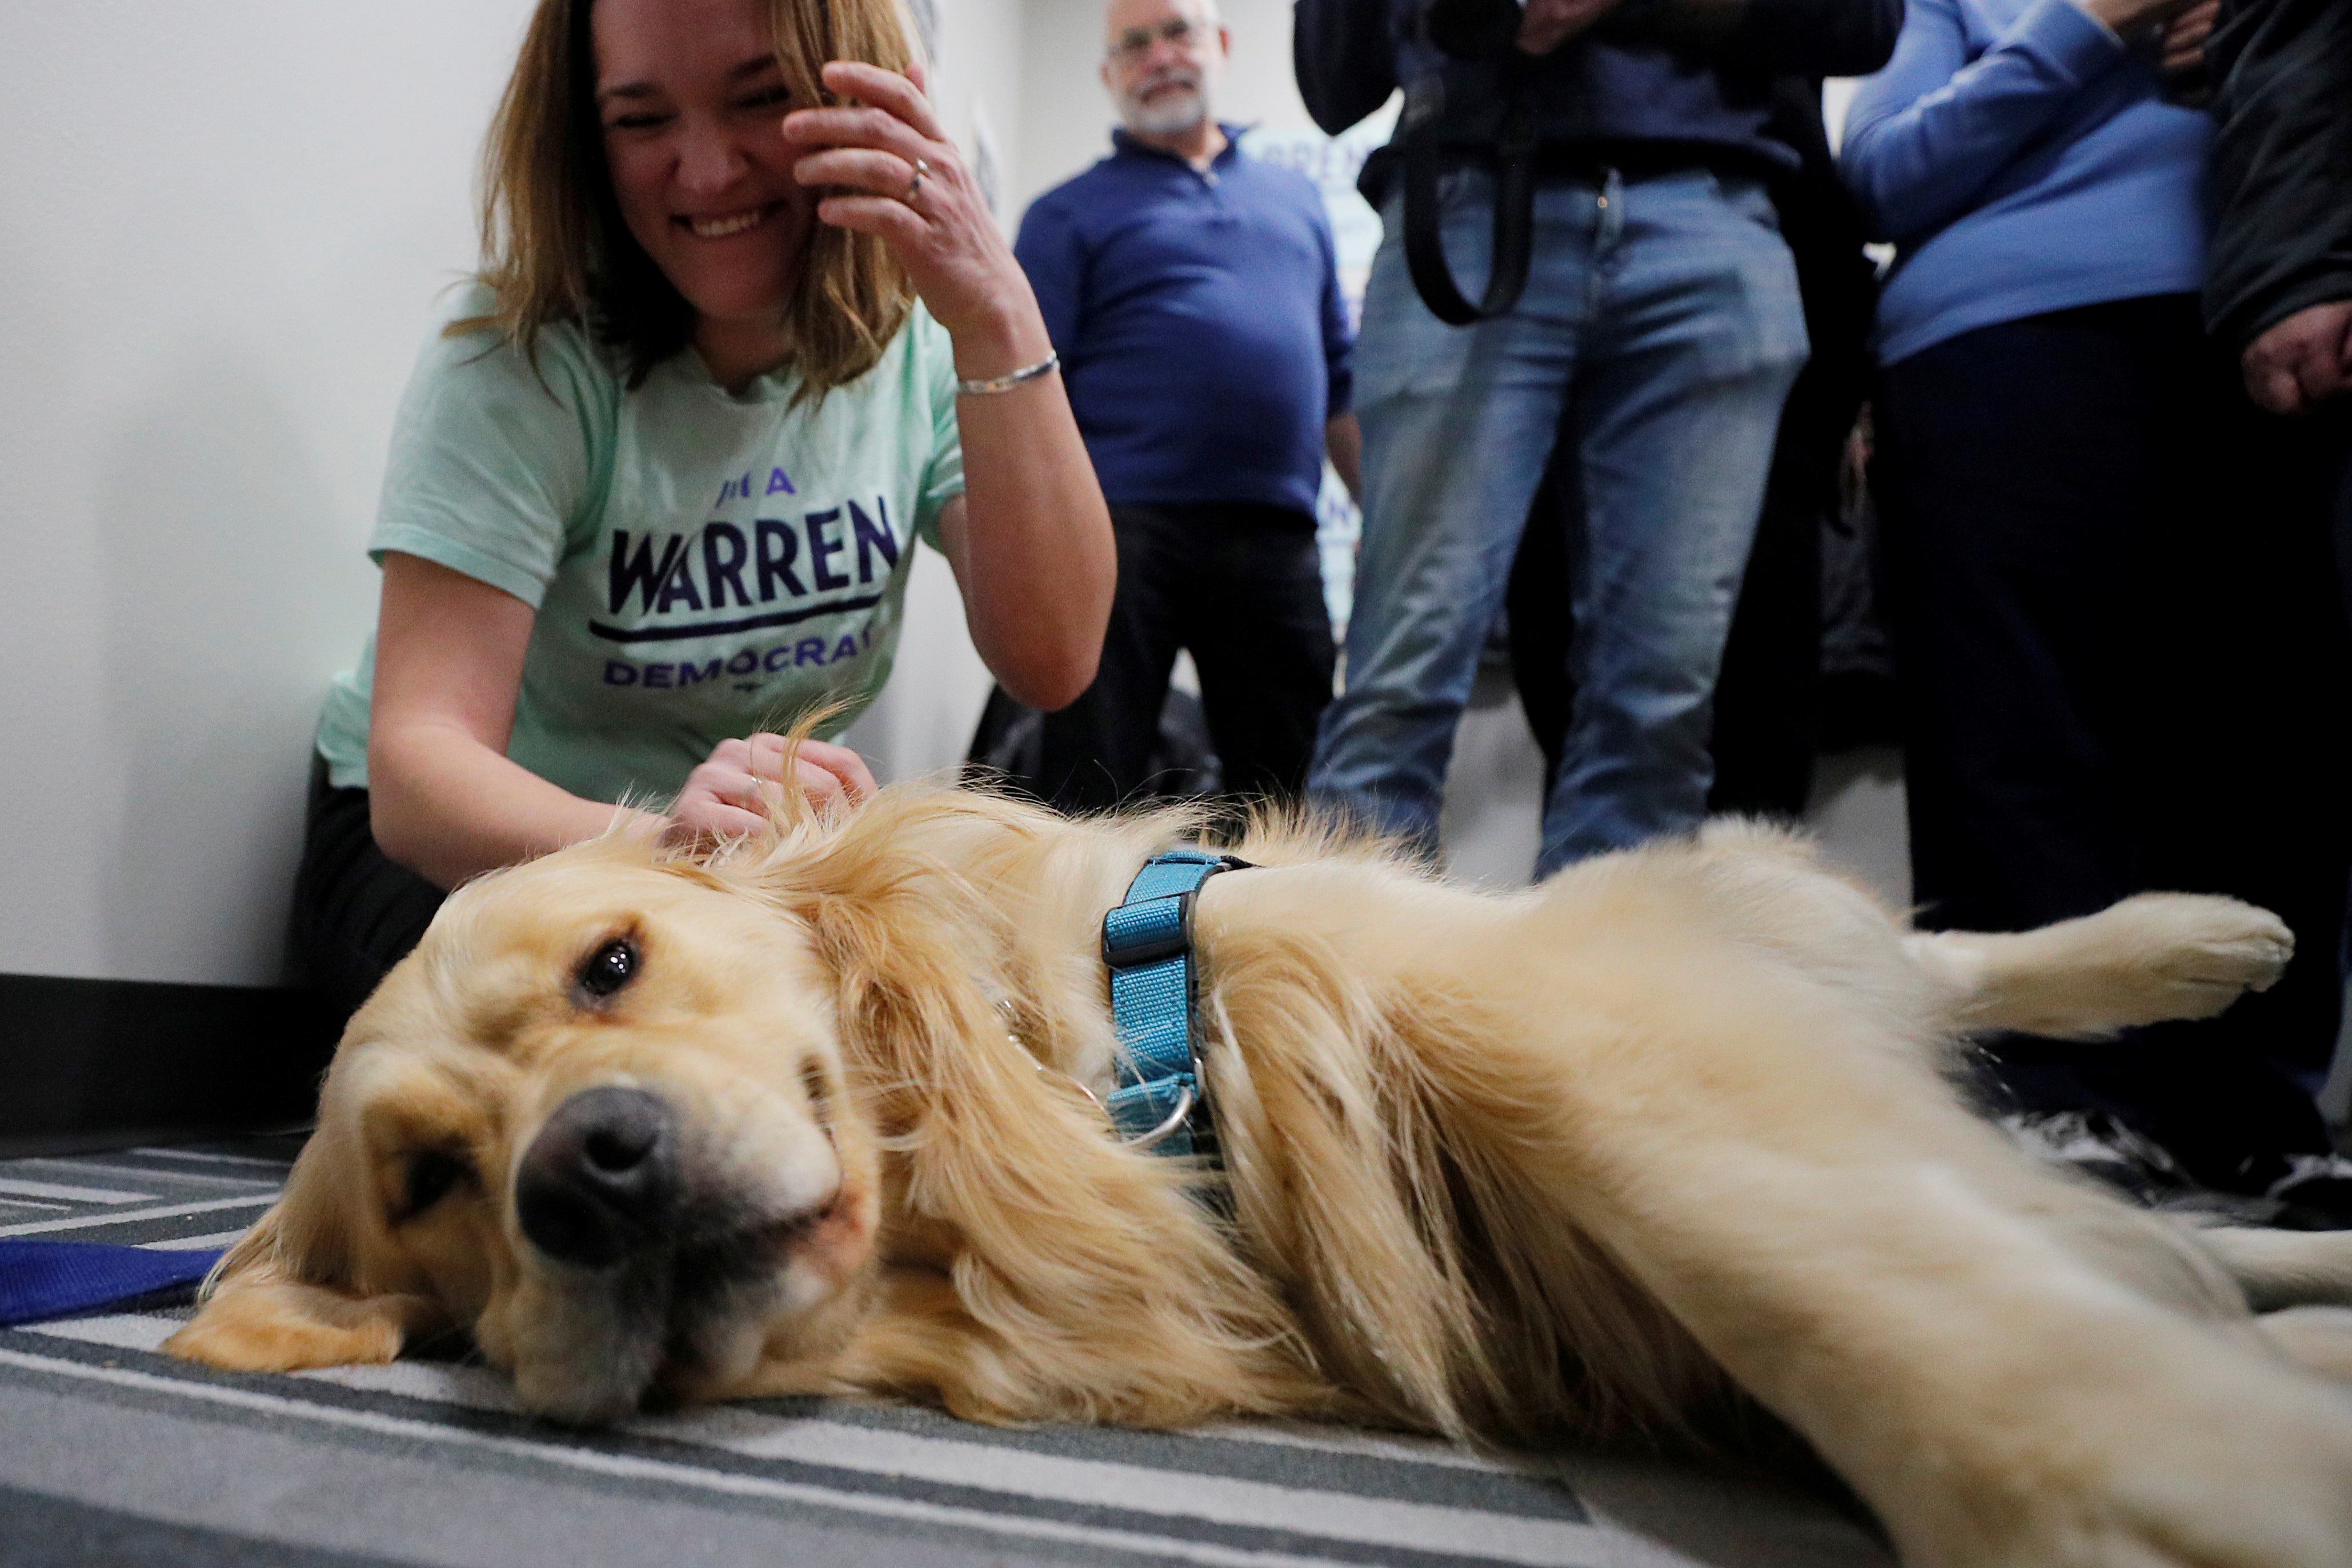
{"x":609,"y":967}
{"x":431,"y":1176}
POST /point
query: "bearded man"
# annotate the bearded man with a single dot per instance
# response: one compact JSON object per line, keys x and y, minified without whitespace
{"x":1193,"y":295}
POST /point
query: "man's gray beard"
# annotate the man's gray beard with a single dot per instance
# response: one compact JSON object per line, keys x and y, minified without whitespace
{"x":1169,"y":117}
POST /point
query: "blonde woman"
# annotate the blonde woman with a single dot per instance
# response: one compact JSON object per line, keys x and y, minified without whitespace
{"x":743,"y":333}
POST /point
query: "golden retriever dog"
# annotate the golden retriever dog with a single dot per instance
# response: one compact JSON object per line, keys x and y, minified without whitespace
{"x":1660,"y":1144}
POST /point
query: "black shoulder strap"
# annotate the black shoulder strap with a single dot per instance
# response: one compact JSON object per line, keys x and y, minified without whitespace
{"x":1514,"y":196}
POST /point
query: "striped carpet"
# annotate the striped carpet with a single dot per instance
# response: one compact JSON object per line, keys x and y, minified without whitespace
{"x":113,"y":1454}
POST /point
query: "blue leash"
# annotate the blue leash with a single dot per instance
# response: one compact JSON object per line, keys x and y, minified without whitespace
{"x":1147,"y":943}
{"x":56,"y":1279}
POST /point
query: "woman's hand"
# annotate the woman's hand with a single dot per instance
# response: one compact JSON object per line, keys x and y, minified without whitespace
{"x":1545,"y":25}
{"x":2184,"y":38}
{"x":728,"y":795}
{"x":2303,"y":361}
{"x":898,"y":177}
{"x":2125,"y":18}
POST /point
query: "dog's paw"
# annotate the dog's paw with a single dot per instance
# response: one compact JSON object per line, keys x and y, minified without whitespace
{"x":2291,"y":1508}
{"x":2267,"y":1484}
{"x":2317,"y":1339}
{"x":2184,"y":1533}
{"x":280,"y":1326}
{"x":2193,"y":954}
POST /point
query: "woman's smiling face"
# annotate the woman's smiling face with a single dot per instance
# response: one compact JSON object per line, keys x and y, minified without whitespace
{"x":692,"y":107}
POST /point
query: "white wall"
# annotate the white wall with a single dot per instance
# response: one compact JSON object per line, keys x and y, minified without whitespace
{"x":221,"y":230}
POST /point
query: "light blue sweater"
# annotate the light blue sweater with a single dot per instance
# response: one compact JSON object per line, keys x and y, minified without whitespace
{"x":2022,"y":161}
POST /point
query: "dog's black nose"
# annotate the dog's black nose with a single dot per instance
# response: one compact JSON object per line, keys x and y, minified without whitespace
{"x":600,"y":1177}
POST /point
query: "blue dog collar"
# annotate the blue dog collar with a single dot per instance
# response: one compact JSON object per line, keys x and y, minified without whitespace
{"x":1147,"y":943}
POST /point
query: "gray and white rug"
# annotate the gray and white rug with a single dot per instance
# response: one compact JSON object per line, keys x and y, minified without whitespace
{"x":111,"y":1453}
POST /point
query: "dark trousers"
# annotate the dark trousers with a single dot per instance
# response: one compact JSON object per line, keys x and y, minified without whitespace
{"x":1242,"y":587}
{"x":2123,"y":667}
{"x":355,"y":912}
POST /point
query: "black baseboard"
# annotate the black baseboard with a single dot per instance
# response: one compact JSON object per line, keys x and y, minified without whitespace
{"x":85,"y":1062}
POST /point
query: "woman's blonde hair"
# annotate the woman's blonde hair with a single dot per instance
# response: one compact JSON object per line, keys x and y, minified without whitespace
{"x":554,"y":247}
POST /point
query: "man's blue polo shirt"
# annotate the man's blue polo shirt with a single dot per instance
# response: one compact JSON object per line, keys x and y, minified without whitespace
{"x":1198,"y":317}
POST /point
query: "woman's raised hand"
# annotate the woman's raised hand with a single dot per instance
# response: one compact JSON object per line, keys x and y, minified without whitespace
{"x":2127,"y":16}
{"x":1029,"y":538}
{"x":729,"y":794}
{"x":894,"y":175}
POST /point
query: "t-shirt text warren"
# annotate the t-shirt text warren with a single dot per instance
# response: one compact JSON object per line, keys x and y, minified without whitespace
{"x":704,"y":564}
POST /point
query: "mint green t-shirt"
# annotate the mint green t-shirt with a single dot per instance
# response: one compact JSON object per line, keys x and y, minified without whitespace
{"x":704,"y":564}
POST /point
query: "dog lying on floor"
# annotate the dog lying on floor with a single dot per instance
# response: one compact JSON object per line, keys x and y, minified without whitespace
{"x":1633,"y":1153}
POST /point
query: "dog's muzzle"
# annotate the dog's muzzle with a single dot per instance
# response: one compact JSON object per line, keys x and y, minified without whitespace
{"x":601,"y":1180}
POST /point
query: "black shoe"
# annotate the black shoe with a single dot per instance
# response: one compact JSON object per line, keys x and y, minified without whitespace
{"x":2134,"y":1166}
{"x":2316,"y":1193}
{"x":2097,"y":1144}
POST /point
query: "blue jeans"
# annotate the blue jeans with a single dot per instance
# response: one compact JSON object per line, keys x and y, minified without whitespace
{"x":1659,"y":334}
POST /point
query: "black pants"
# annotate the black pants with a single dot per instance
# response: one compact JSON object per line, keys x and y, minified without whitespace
{"x":1242,"y":587}
{"x":355,"y":912}
{"x":2123,"y":667}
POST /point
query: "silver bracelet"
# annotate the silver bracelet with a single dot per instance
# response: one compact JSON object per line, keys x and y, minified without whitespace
{"x":1009,"y":380}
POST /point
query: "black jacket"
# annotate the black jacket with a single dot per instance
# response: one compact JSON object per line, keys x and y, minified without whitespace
{"x":2282,"y":164}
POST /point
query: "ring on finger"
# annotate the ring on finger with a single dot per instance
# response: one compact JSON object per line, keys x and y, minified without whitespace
{"x":915,"y":185}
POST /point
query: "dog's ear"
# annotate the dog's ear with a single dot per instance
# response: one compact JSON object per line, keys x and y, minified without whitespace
{"x":291,"y":1294}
